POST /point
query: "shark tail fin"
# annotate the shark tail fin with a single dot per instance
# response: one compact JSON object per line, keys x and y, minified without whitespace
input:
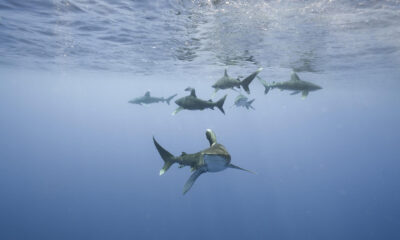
{"x":250,"y":102}
{"x":246,"y":82}
{"x":265,"y":84}
{"x":166,"y":156}
{"x":267,"y":88}
{"x":170,"y":98}
{"x":220,"y":104}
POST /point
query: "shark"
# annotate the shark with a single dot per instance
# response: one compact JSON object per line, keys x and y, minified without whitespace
{"x":215,"y":158}
{"x":227,"y":82}
{"x":191,"y":102}
{"x":147,"y":99}
{"x":295,"y":84}
{"x":243,"y":101}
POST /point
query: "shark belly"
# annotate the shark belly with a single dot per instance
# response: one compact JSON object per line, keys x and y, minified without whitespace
{"x":215,"y":163}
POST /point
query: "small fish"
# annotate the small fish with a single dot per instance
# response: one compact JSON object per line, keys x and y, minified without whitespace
{"x":243,"y":101}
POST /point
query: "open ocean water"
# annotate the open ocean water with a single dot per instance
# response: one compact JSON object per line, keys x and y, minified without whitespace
{"x":77,"y":161}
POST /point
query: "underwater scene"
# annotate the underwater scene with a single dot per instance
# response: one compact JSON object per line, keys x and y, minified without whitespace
{"x":200,"y":119}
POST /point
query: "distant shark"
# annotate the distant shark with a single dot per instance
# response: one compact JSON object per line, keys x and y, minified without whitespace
{"x":227,"y":82}
{"x":213,"y":159}
{"x":191,"y":102}
{"x":294,"y":84}
{"x":147,"y":99}
{"x":243,"y":101}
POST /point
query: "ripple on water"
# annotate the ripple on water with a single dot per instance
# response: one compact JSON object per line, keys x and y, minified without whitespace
{"x":311,"y":36}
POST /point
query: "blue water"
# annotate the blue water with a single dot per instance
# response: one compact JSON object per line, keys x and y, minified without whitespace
{"x":77,"y":161}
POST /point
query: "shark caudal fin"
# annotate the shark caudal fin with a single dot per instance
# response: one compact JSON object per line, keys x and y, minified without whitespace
{"x":170,"y":98}
{"x":246,"y":82}
{"x":220,"y":104}
{"x":249,"y":104}
{"x":265,"y":84}
{"x":166,"y":156}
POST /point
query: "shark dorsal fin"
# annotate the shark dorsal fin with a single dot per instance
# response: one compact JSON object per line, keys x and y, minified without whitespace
{"x":226,"y":73}
{"x":147,"y":94}
{"x":212,"y":139}
{"x":294,"y":77}
{"x":193,"y":93}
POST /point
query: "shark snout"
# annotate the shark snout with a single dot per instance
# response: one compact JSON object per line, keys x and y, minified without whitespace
{"x":178,"y":102}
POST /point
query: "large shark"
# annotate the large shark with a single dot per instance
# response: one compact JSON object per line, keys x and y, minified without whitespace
{"x":191,"y":102}
{"x":213,"y":159}
{"x":147,"y":99}
{"x":294,"y":84}
{"x":243,"y":101}
{"x":227,"y":82}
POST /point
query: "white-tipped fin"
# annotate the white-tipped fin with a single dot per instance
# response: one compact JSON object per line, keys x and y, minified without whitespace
{"x":304,"y":94}
{"x":215,"y":92}
{"x":177,"y":110}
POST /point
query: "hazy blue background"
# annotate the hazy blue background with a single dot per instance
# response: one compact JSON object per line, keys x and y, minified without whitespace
{"x":77,"y":160}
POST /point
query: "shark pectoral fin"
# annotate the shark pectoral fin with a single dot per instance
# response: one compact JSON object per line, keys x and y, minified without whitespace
{"x":262,"y":81}
{"x":236,"y":167}
{"x":304,"y":94}
{"x":192,"y":179}
{"x":177,"y":110}
{"x":214,"y":93}
{"x":295,"y":92}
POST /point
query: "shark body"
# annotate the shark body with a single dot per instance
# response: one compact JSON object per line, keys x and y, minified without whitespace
{"x":192,"y":102}
{"x":147,"y":99}
{"x":213,"y":159}
{"x":227,"y":82}
{"x":294,"y":84}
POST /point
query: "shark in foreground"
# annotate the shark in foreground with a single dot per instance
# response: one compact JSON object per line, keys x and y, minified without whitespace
{"x":243,"y":101}
{"x":147,"y":99}
{"x":294,"y":84}
{"x":213,"y":159}
{"x":227,"y":82}
{"x":191,"y":102}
